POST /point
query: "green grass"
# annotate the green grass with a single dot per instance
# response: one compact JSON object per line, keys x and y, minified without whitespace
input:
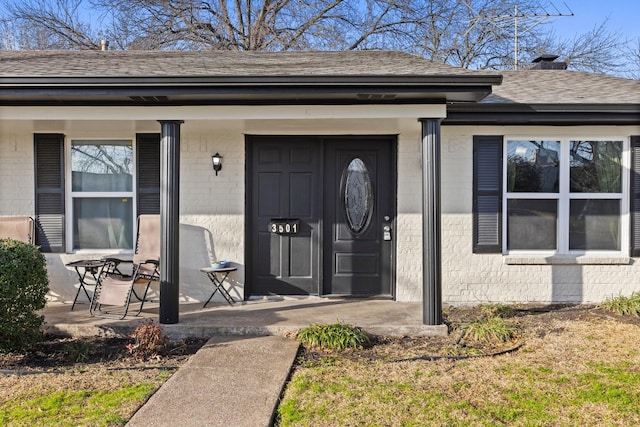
{"x":576,"y":373}
{"x":65,"y":408}
{"x":526,"y":397}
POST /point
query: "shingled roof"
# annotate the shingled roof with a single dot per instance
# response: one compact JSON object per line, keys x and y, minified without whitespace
{"x":563,"y":87}
{"x":89,"y":63}
{"x":553,"y":97}
{"x":222,"y":77}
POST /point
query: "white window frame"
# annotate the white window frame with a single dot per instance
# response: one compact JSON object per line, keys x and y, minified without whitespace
{"x":70,"y":194}
{"x":564,"y":196}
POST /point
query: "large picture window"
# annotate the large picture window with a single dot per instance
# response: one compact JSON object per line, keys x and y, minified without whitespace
{"x":102,"y":194}
{"x":564,"y":195}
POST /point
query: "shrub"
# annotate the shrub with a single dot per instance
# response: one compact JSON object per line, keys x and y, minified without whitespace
{"x":149,"y":341}
{"x":626,"y":306}
{"x":23,"y":287}
{"x":336,"y":336}
{"x":490,"y":329}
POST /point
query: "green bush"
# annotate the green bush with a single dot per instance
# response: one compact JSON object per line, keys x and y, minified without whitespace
{"x":23,"y":286}
{"x":623,"y":305}
{"x":337,"y":336}
{"x":488,"y":329}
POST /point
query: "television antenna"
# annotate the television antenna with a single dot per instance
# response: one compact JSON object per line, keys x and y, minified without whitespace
{"x":531,"y":20}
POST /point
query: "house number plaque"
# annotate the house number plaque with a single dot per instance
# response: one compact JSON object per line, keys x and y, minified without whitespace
{"x":284,"y":226}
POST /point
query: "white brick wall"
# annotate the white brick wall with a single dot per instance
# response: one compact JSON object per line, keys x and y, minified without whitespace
{"x":408,"y":233}
{"x":476,"y":278}
{"x":16,"y":171}
{"x":212,"y":209}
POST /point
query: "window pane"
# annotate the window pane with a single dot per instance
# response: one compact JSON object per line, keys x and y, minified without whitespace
{"x":358,"y":195}
{"x":531,"y":224}
{"x":102,"y":223}
{"x":596,"y":167}
{"x":594,"y":224}
{"x":533,"y":166}
{"x":102,"y":165}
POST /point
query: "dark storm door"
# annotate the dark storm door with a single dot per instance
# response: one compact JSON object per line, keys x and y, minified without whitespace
{"x":285,"y":212}
{"x":359,"y":207}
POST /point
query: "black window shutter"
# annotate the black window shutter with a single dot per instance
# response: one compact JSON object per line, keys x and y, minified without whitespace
{"x":49,"y":197}
{"x":148,"y":154}
{"x":635,"y":196}
{"x":487,"y":194}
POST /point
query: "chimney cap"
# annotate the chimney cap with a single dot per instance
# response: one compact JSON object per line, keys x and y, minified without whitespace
{"x":546,"y":58}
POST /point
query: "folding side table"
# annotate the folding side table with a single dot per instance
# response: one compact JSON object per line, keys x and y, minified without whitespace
{"x":217,"y":277}
{"x":88,"y":266}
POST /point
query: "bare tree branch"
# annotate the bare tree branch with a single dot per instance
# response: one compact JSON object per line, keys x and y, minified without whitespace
{"x":476,"y":34}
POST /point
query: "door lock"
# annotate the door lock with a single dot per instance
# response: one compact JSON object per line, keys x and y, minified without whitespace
{"x":386,"y":232}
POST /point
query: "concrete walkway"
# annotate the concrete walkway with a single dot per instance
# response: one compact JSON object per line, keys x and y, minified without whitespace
{"x":231,"y":381}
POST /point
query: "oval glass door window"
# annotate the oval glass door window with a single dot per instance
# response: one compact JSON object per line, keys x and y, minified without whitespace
{"x":358,"y":195}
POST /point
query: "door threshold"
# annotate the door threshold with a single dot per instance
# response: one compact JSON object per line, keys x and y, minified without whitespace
{"x":369,"y":297}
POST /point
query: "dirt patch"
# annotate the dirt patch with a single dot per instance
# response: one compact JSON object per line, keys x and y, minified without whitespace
{"x":56,"y":353}
{"x":532,"y":322}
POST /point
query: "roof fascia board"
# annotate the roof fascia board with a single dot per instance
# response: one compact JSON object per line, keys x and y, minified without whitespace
{"x":543,"y":108}
{"x":303,"y":112}
{"x":276,"y":80}
{"x":613,"y":118}
{"x":542,"y":114}
{"x":219,"y":95}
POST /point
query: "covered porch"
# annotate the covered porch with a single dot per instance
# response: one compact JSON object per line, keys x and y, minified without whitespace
{"x":194,"y":106}
{"x":266,"y":316}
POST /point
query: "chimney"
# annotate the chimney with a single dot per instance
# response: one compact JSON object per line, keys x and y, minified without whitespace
{"x":104,"y":45}
{"x":547,"y":62}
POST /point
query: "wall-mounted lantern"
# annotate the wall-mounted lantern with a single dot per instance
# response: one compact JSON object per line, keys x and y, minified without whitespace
{"x":216,"y":160}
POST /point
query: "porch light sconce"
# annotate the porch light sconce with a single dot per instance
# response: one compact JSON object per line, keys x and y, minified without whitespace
{"x":216,"y":160}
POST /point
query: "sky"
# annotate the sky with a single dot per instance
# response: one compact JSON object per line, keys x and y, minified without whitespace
{"x":624,"y":16}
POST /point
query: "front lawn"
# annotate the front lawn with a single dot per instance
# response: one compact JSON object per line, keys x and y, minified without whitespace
{"x":568,"y":366}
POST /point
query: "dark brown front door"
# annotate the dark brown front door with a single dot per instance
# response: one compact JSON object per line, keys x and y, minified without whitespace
{"x":319,"y":215}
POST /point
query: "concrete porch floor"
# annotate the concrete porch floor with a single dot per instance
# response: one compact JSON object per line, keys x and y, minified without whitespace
{"x":268,"y":316}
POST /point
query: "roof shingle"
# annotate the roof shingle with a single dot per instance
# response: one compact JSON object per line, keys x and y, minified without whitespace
{"x":518,"y":87}
{"x":89,"y":63}
{"x":563,"y":87}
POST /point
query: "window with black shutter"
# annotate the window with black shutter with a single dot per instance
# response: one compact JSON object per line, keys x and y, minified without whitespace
{"x":101,"y":195}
